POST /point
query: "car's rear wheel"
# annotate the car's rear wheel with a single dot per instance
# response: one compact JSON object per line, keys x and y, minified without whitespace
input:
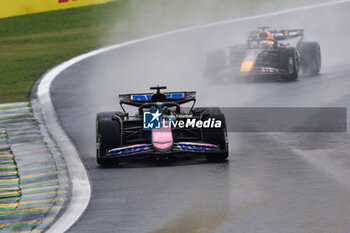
{"x":237,"y":54}
{"x":216,"y":136}
{"x":108,"y":136}
{"x":289,"y":61}
{"x":310,"y":58}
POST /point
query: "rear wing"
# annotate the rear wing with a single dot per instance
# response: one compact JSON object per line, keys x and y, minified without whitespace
{"x":280,"y":34}
{"x":140,"y":98}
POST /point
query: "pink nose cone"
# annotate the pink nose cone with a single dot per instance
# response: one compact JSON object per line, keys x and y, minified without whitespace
{"x":162,"y":138}
{"x":162,"y":146}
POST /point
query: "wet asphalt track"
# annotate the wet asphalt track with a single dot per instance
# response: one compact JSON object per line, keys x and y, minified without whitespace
{"x":273,"y":182}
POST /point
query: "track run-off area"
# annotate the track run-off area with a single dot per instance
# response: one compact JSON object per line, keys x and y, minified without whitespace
{"x":34,"y":185}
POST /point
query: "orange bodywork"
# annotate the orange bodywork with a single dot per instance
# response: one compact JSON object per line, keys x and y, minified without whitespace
{"x":247,"y":66}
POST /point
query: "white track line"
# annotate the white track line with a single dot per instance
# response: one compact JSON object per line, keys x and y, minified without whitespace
{"x":81,"y":189}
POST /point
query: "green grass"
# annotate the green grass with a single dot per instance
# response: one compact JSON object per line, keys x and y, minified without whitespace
{"x":31,"y":44}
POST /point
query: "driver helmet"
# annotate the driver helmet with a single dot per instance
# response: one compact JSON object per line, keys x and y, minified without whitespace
{"x":165,"y":110}
{"x":266,"y":35}
{"x":153,"y":109}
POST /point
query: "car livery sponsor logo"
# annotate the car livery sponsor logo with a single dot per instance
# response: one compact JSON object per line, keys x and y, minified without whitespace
{"x":268,"y":70}
{"x":151,"y":120}
{"x":196,"y":146}
{"x":128,"y":149}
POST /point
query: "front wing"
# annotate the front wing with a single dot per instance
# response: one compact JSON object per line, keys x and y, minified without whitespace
{"x":177,"y":149}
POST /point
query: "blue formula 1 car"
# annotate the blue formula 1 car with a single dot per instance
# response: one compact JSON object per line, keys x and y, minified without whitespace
{"x":160,"y":129}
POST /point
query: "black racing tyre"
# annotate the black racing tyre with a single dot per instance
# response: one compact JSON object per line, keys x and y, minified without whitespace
{"x":108,"y":136}
{"x":289,"y":60}
{"x":207,"y":110}
{"x":102,"y":115}
{"x":215,"y":63}
{"x":217,"y":136}
{"x":310,"y":58}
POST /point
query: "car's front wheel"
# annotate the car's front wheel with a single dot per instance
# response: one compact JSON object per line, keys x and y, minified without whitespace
{"x":108,"y":136}
{"x":216,"y":136}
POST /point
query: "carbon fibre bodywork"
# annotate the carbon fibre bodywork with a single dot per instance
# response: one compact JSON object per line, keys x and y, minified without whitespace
{"x":120,"y":135}
{"x":267,"y":53}
{"x":137,"y":141}
{"x":263,"y":62}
